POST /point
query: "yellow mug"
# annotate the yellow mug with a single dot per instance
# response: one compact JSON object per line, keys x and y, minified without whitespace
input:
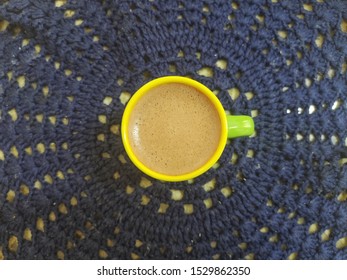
{"x":230,"y":127}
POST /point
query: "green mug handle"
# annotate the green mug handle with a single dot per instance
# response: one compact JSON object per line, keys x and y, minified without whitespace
{"x":239,"y":126}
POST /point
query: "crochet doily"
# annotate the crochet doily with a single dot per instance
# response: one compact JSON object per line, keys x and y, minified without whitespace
{"x":67,"y":187}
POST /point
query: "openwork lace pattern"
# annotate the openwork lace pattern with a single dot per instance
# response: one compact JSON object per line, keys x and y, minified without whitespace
{"x":67,"y":187}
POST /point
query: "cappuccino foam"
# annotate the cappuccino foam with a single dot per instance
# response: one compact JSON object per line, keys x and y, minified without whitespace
{"x":174,"y":129}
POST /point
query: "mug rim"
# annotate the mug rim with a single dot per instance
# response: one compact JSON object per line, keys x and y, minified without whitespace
{"x":167,"y":80}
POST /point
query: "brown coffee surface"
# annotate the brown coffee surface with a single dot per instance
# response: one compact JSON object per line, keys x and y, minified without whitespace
{"x":174,"y":129}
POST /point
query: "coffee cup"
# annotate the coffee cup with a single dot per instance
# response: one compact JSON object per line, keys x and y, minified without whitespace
{"x":174,"y":128}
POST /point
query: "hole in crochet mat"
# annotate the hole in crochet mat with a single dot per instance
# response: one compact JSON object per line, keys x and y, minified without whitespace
{"x":180,"y":54}
{"x":13,"y":114}
{"x":234,"y":158}
{"x":222,"y":64}
{"x":105,"y":155}
{"x":9,"y":75}
{"x":67,"y":72}
{"x":103,"y":254}
{"x":227,"y":191}
{"x":40,"y":147}
{"x":341,"y":243}
{"x":124,"y":97}
{"x":2,"y":155}
{"x":53,"y":146}
{"x":163,"y":208}
{"x":60,"y":3}
{"x":336,"y":104}
{"x":299,"y":137}
{"x":73,"y":201}
{"x":134,"y":256}
{"x":177,"y":194}
{"x":188,"y":209}
{"x":129,"y":189}
{"x":203,"y":20}
{"x":342,"y":161}
{"x":40,"y":225}
{"x":27,"y":235}
{"x":102,"y":119}
{"x":343,"y":25}
{"x":45,"y":91}
{"x":60,"y":255}
{"x":114,"y":129}
{"x":254,"y":113}
{"x":335,"y":139}
{"x":206,"y":72}
{"x":312,"y":109}
{"x":331,"y":73}
{"x":69,"y":13}
{"x":205,"y":9}
{"x":319,"y":40}
{"x":234,"y":93}
{"x":52,"y":119}
{"x":250,"y":153}
{"x":10,"y":196}
{"x":145,"y":200}
{"x":208,"y":203}
{"x":250,"y":256}
{"x":209,"y":186}
{"x":39,"y":118}
{"x":313,"y":228}
{"x":62,"y":209}
{"x":273,"y":238}
{"x":110,"y":243}
{"x":145,"y":183}
{"x":37,"y":49}
{"x":172,"y":68}
{"x":13,"y":244}
{"x":122,"y":159}
{"x":344,"y":68}
{"x":264,"y":230}
{"x":65,"y":146}
{"x":48,"y":179}
{"x":14,"y":151}
{"x":249,"y":95}
{"x":260,"y":18}
{"x":308,"y":82}
{"x":116,"y":175}
{"x":65,"y":121}
{"x":87,"y":178}
{"x":282,"y":34}
{"x":138,"y":243}
{"x":100,"y":137}
{"x":343,"y":195}
{"x":188,"y":249}
{"x":79,"y":22}
{"x":293,"y":256}
{"x":308,"y":7}
{"x":301,"y":221}
{"x":21,"y":81}
{"x":24,"y":189}
{"x":243,"y":246}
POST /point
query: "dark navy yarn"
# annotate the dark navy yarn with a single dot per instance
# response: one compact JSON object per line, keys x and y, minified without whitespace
{"x":67,"y":188}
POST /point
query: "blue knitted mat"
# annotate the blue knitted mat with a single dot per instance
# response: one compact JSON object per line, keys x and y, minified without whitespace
{"x":68,"y":189}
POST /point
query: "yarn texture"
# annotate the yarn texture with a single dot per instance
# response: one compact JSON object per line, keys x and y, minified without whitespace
{"x":68,"y":189}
